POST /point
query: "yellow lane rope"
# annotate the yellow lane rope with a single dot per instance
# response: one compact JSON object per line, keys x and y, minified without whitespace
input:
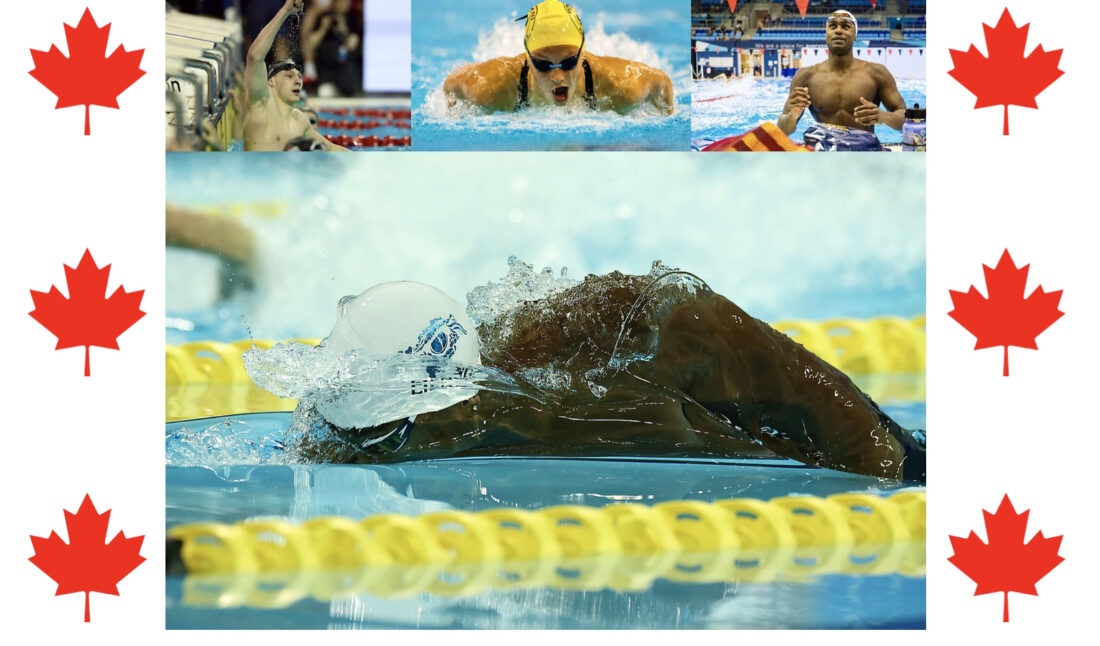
{"x":272,"y":562}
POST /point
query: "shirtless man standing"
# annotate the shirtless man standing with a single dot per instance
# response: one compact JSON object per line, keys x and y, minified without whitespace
{"x":843,"y":93}
{"x":556,"y":70}
{"x":272,"y":121}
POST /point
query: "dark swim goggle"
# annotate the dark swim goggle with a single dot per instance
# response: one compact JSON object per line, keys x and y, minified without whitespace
{"x":565,"y":65}
{"x":282,"y":65}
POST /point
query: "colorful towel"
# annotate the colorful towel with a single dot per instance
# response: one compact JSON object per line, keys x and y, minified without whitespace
{"x":767,"y":137}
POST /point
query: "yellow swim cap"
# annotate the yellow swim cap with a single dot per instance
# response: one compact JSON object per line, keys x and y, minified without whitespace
{"x":551,"y":23}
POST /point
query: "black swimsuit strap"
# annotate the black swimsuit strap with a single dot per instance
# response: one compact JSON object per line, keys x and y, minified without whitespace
{"x":589,"y":86}
{"x":521,"y":101}
{"x":522,"y":91}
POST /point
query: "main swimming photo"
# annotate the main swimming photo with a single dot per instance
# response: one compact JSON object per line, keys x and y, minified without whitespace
{"x":651,"y":408}
{"x":595,"y":75}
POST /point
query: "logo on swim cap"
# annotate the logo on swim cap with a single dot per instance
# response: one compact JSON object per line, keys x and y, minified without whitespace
{"x":439,"y":339}
{"x":551,"y":23}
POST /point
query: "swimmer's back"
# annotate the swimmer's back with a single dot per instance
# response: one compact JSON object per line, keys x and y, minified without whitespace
{"x":578,"y":326}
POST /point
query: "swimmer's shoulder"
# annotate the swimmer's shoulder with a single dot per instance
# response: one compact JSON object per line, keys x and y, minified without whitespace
{"x":878,"y":71}
{"x":300,"y":121}
{"x":803,"y":77}
{"x":628,"y":81}
{"x":492,"y":83}
{"x":615,"y":66}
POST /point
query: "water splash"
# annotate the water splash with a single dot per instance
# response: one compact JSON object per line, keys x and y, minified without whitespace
{"x":226,"y":443}
{"x":372,"y":389}
{"x":487,"y":303}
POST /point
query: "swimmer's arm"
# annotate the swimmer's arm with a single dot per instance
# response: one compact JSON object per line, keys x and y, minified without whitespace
{"x":255,"y":69}
{"x":797,"y":101}
{"x":312,"y":133}
{"x":894,"y":114}
{"x":628,"y":84}
{"x":492,"y":84}
{"x":208,"y":232}
{"x":658,"y":89}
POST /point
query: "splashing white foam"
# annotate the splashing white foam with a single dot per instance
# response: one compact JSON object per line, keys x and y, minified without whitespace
{"x":489,"y":302}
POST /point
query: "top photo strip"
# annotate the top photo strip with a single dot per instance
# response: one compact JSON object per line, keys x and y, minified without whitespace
{"x":437,"y":75}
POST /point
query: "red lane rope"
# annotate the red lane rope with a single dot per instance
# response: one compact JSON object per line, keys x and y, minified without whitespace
{"x":717,"y":98}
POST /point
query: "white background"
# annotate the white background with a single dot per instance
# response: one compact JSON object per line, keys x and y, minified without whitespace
{"x":1028,"y":435}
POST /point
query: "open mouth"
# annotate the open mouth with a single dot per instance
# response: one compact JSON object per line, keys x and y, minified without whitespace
{"x":561,"y":94}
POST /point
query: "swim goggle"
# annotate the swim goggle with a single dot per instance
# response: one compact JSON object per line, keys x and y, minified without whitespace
{"x":566,"y":65}
{"x":281,"y":66}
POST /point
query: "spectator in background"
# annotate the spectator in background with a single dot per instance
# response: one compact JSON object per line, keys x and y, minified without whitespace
{"x":335,"y":43}
{"x":314,"y":8}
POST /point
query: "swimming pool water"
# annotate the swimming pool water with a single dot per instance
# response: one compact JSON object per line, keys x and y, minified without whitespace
{"x":722,"y":109}
{"x":446,"y":37}
{"x":297,"y":492}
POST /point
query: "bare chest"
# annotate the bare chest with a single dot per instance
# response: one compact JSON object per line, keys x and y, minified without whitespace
{"x":833,"y":92}
{"x":267,"y":129}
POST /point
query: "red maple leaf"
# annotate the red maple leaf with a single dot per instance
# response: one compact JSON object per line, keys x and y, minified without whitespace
{"x":1006,"y":317}
{"x":87,"y":563}
{"x":87,"y":77}
{"x":1007,"y":77}
{"x":87,"y":318}
{"x":1007,"y":563}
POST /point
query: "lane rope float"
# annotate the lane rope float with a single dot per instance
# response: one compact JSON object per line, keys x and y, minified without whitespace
{"x":272,"y":562}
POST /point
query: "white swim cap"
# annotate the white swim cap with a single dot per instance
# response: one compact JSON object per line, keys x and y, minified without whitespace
{"x":841,"y":14}
{"x":400,"y":318}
